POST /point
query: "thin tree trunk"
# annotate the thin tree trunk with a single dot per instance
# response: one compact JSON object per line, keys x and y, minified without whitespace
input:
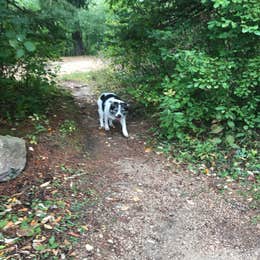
{"x":78,"y":43}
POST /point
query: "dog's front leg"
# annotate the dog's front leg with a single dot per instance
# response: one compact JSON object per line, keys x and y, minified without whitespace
{"x":124,"y":130}
{"x":110,"y":122}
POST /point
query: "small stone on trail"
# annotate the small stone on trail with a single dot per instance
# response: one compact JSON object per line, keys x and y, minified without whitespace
{"x":89,"y":247}
{"x":124,"y":207}
{"x":136,"y":199}
{"x":110,"y":241}
{"x":45,"y":184}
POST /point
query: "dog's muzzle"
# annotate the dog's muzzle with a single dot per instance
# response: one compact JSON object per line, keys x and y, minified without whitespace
{"x":118,"y":117}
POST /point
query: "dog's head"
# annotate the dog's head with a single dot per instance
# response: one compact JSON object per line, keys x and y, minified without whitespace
{"x":118,"y":109}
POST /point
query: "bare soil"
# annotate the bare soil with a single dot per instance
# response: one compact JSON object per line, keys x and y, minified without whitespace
{"x":79,"y":64}
{"x":147,"y":206}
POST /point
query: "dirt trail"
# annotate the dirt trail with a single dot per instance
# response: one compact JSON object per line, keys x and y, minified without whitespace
{"x":149,"y":207}
{"x":79,"y":64}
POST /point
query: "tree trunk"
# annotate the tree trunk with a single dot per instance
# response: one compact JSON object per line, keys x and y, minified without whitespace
{"x":78,"y":43}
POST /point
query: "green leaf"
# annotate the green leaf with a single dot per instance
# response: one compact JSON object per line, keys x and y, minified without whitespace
{"x":3,"y":223}
{"x":216,"y":129}
{"x":231,"y":124}
{"x":52,"y":243}
{"x":231,"y":141}
{"x":216,"y":140}
{"x":20,"y":37}
{"x":13,"y":43}
{"x":52,"y":240}
{"x":30,"y":46}
{"x":19,"y":53}
{"x":220,"y":108}
{"x":40,"y":247}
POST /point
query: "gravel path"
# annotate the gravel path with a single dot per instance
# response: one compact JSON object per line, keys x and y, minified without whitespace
{"x":150,"y":207}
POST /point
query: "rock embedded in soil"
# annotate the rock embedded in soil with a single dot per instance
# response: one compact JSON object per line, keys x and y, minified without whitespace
{"x":89,"y":247}
{"x":12,"y":157}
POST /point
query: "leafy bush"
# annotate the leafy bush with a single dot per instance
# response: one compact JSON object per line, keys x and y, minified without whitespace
{"x":206,"y":95}
{"x":195,"y":65}
{"x":32,"y":36}
{"x":19,"y":99}
{"x":68,"y":127}
{"x":196,"y":60}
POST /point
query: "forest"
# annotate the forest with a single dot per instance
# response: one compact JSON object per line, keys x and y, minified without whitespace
{"x":193,"y":65}
{"x":190,"y":67}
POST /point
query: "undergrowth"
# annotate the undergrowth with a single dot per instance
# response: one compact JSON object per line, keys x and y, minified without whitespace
{"x":238,"y":165}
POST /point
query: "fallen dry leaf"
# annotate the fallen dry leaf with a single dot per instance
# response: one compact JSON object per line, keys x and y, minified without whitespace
{"x":23,"y":210}
{"x":45,"y":184}
{"x":206,"y":171}
{"x":66,"y":242}
{"x":47,"y":226}
{"x":23,"y":232}
{"x":48,"y":218}
{"x":9,"y":249}
{"x":73,"y":234}
{"x":73,"y":253}
{"x":85,"y":227}
{"x":8,"y":225}
{"x":139,"y":190}
{"x":10,"y":240}
{"x":68,"y":211}
{"x":148,"y":149}
{"x":124,"y":207}
{"x":135,"y":199}
{"x":12,"y":202}
{"x":55,"y":251}
{"x":251,"y":178}
{"x":40,"y":239}
{"x":58,"y":219}
{"x":33,"y":223}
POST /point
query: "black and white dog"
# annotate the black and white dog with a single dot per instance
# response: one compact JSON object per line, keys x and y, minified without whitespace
{"x":110,"y":108}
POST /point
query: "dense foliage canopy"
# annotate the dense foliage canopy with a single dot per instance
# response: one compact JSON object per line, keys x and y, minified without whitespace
{"x":33,"y":33}
{"x":195,"y":61}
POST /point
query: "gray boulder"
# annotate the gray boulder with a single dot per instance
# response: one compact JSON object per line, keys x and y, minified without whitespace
{"x":12,"y":157}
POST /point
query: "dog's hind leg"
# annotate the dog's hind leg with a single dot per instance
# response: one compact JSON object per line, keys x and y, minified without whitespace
{"x":106,"y":117}
{"x":106,"y":122}
{"x":101,"y":118}
{"x":101,"y":113}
